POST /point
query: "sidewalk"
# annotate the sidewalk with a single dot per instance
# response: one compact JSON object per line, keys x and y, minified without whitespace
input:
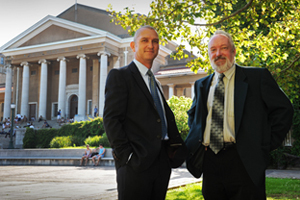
{"x":65,"y":182}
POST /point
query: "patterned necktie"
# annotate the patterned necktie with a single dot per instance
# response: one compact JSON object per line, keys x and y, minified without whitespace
{"x":216,"y":132}
{"x":157,"y":102}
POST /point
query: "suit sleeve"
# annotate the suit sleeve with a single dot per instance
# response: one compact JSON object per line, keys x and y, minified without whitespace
{"x":116,"y":97}
{"x":280,"y":109}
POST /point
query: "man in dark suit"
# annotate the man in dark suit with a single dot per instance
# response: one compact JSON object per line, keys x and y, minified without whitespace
{"x":237,"y":127}
{"x":140,"y":125}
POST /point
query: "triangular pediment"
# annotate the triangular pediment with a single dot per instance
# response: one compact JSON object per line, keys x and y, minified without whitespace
{"x":51,"y":29}
{"x":53,"y":33}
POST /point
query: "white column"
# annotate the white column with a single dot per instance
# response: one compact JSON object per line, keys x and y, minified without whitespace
{"x":192,"y":89}
{"x":125,"y":57}
{"x":171,"y":90}
{"x":7,"y":98}
{"x":103,"y":76}
{"x":43,"y":88}
{"x":25,"y":89}
{"x":62,"y":85}
{"x":82,"y":87}
{"x":17,"y":91}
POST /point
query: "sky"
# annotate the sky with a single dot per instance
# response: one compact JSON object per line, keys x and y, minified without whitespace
{"x":18,"y":15}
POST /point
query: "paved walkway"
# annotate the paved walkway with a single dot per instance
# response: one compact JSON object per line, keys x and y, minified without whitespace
{"x":65,"y":182}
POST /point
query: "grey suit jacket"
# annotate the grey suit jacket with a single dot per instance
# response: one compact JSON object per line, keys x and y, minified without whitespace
{"x":263,"y":116}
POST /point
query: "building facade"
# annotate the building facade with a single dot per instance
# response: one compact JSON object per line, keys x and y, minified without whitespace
{"x":61,"y":63}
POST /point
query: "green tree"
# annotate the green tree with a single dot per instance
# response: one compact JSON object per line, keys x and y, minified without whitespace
{"x":266,"y":32}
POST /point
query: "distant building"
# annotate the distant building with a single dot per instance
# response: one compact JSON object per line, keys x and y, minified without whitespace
{"x":62,"y":63}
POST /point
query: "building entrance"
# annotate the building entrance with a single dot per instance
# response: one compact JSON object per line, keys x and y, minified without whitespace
{"x":32,"y":111}
{"x":73,"y":106}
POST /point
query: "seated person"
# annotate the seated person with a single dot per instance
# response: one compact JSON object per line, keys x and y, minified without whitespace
{"x":31,"y":125}
{"x":7,"y":125}
{"x":27,"y":125}
{"x":99,"y":155}
{"x":16,"y":120}
{"x":2,"y":132}
{"x":45,"y":125}
{"x":86,"y":155}
{"x":7,"y":134}
{"x":40,"y":118}
{"x":61,"y":121}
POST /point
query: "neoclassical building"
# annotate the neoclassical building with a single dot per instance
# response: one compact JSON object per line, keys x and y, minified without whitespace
{"x":62,"y":63}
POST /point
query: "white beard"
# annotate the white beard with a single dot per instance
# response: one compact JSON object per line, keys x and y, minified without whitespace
{"x":222,"y":68}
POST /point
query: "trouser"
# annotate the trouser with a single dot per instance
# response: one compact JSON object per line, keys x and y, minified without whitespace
{"x":150,"y":184}
{"x":225,"y":177}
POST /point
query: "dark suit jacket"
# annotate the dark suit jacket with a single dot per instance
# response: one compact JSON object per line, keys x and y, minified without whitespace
{"x":132,"y":122}
{"x":263,"y":116}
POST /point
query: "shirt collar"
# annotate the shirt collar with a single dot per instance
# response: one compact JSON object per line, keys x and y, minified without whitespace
{"x":228,"y":74}
{"x":142,"y":68}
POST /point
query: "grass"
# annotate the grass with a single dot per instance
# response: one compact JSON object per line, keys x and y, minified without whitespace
{"x":276,"y":188}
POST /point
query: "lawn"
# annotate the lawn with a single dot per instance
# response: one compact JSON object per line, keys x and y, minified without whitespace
{"x":276,"y":188}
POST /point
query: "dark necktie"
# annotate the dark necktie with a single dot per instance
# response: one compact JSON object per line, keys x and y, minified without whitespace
{"x":216,"y":132}
{"x":157,"y":102}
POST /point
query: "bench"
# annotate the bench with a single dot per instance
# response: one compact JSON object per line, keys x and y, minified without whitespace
{"x":49,"y":157}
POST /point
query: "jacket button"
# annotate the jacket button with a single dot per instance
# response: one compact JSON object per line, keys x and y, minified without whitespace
{"x":158,"y":120}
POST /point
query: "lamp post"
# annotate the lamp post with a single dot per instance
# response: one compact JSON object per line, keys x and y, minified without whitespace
{"x":11,"y":142}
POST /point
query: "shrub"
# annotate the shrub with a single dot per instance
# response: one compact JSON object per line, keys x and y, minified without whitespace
{"x":60,"y":141}
{"x":78,"y":130}
{"x":29,"y":140}
{"x":77,"y":140}
{"x":93,"y":141}
{"x":180,"y":106}
{"x":104,"y":141}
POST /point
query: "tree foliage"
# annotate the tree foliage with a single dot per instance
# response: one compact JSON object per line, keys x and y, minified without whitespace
{"x":180,"y":106}
{"x":266,"y":32}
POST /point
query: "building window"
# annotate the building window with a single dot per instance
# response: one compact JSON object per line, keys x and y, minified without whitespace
{"x":2,"y":107}
{"x":56,"y":72}
{"x":91,"y":68}
{"x":33,"y":73}
{"x":74,"y":70}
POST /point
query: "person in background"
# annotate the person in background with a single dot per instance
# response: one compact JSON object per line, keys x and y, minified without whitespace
{"x":95,"y":111}
{"x":86,"y":155}
{"x":100,"y":155}
{"x":239,"y":114}
{"x":58,"y":115}
{"x":45,"y":125}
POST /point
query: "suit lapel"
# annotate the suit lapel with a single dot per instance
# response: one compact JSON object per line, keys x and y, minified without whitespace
{"x":240,"y":93}
{"x":204,"y":87}
{"x":140,"y":82}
